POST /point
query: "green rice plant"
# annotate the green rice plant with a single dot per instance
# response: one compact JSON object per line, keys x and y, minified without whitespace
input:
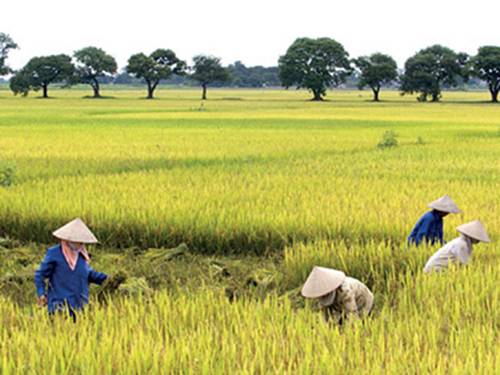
{"x":7,"y":174}
{"x":420,"y":141}
{"x":389,"y":139}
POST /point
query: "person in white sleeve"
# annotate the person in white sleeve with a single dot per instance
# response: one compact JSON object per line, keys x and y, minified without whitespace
{"x":459,"y":250}
{"x":339,"y":296}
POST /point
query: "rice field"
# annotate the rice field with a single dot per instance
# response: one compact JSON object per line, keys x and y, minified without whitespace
{"x":257,"y":173}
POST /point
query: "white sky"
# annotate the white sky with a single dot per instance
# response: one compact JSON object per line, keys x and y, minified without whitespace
{"x":256,"y":32}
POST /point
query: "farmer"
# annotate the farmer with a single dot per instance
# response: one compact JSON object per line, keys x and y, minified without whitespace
{"x":429,"y":227}
{"x":339,"y":296}
{"x":460,"y":249}
{"x":66,"y":267}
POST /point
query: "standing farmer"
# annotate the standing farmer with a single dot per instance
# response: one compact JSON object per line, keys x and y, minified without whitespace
{"x":460,"y":249}
{"x":429,"y":227}
{"x":67,"y":270}
{"x":339,"y":296}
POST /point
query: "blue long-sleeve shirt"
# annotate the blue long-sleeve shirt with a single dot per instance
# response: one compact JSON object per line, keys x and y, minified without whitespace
{"x":65,"y":286}
{"x":429,"y":228}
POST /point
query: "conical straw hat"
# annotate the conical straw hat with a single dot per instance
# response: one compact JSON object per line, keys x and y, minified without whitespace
{"x":475,"y":230}
{"x":321,"y":281}
{"x":445,"y":204}
{"x":75,"y":231}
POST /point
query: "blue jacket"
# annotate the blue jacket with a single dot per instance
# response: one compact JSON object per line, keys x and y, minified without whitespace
{"x":65,"y":286}
{"x":429,"y":228}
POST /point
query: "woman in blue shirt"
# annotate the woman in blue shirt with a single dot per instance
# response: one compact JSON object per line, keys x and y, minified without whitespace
{"x":67,"y":270}
{"x":429,"y":228}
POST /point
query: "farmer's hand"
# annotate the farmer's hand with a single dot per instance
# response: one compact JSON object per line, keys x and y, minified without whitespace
{"x":118,"y":278}
{"x":42,"y":301}
{"x":113,"y":282}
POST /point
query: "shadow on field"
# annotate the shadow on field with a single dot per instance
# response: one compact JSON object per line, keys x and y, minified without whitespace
{"x":102,"y":97}
{"x":55,"y":168}
{"x":465,"y":102}
{"x":478,"y":134}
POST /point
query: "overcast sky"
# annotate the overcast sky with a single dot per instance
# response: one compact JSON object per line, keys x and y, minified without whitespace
{"x":256,"y":32}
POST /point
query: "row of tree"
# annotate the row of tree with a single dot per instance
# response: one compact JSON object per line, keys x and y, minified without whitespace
{"x":314,"y":64}
{"x":91,"y":63}
{"x":318,"y":64}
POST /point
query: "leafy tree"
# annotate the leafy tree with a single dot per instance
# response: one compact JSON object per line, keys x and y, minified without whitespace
{"x":315,"y":64}
{"x":207,"y":70}
{"x":92,"y":64}
{"x":6,"y":44}
{"x":376,"y":70}
{"x":161,"y":64}
{"x":486,"y":66}
{"x":429,"y":69}
{"x":19,"y":83}
{"x":40,"y":72}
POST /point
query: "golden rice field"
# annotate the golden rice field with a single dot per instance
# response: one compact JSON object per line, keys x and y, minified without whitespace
{"x":267,"y":173}
{"x":245,"y":174}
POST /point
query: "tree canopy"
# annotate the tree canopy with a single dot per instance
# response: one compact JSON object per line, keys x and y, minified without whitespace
{"x":375,"y":71}
{"x":40,"y":72}
{"x":161,"y":64}
{"x":486,"y":66}
{"x":92,"y":64}
{"x":315,"y":64}
{"x":429,"y":69}
{"x":6,"y":44}
{"x":207,"y":70}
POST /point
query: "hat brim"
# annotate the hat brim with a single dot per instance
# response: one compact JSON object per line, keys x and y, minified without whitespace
{"x":76,"y":239}
{"x":443,"y":209}
{"x":321,"y":282}
{"x":474,"y":230}
{"x":482,"y":238}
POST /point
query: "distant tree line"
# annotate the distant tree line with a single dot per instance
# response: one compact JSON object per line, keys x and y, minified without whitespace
{"x":319,"y":64}
{"x":239,"y":76}
{"x":313,"y":64}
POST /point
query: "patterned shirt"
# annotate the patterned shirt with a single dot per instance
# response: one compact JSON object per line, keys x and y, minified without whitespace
{"x":353,"y":298}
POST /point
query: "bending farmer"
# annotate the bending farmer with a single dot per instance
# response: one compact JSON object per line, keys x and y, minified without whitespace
{"x":339,"y":296}
{"x":460,"y":249}
{"x":67,"y":270}
{"x":429,"y":227}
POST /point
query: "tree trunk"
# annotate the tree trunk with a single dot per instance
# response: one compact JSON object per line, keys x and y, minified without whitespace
{"x":45,"y":89}
{"x":204,"y":92}
{"x":494,"y":93}
{"x":376,"y":94}
{"x":317,"y":95}
{"x":96,"y":88}
{"x":435,"y":97}
{"x":151,"y":90}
